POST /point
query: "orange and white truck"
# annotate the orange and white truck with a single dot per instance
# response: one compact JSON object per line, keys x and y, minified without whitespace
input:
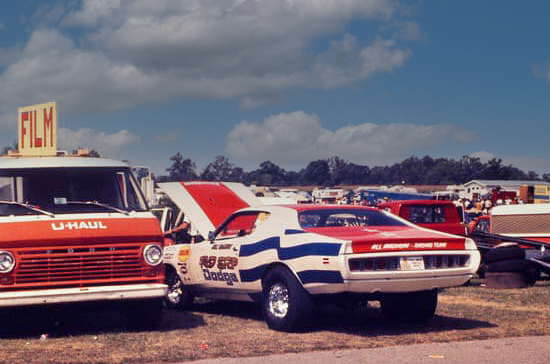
{"x":75,"y":228}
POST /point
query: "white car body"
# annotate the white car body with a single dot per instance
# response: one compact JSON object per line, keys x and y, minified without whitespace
{"x":320,"y":263}
{"x":288,"y":258}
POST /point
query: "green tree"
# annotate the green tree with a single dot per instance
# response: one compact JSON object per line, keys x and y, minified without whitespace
{"x":269,"y":174}
{"x":316,"y":173}
{"x":346,"y":173}
{"x":223,"y":170}
{"x":181,"y":169}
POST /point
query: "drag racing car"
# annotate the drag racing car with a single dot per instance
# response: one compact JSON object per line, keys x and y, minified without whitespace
{"x":290,"y":258}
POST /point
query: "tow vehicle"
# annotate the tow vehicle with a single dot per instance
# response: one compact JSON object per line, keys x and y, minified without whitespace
{"x":75,"y":228}
{"x":440,"y":215}
{"x":290,"y":258}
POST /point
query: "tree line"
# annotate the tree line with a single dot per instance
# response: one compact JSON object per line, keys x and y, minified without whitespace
{"x":337,"y":171}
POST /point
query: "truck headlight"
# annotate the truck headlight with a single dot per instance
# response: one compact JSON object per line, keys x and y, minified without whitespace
{"x":152,"y":255}
{"x":7,"y":262}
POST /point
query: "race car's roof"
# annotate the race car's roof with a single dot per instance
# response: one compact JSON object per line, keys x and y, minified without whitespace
{"x":208,"y":204}
{"x":303,"y":207}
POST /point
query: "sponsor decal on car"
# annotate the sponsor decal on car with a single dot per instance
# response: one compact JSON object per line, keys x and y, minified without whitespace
{"x":415,"y":246}
{"x":184,"y":253}
{"x":228,"y":278}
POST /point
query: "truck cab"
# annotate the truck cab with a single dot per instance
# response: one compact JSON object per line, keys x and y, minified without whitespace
{"x":438,"y":215}
{"x":78,"y":229}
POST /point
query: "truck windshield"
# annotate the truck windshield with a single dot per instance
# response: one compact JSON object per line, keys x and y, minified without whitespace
{"x":70,"y":190}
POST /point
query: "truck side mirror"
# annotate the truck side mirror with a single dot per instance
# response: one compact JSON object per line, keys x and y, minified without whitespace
{"x":211,"y":236}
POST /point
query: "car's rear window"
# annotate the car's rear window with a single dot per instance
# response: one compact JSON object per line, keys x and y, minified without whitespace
{"x":345,"y":218}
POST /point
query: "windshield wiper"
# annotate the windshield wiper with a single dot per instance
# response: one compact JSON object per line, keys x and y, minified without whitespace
{"x":96,"y":203}
{"x":28,"y":207}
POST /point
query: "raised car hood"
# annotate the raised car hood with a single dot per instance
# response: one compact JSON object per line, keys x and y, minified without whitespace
{"x":208,"y":204}
{"x":393,"y":238}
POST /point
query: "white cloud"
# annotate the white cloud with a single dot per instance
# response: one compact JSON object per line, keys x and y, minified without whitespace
{"x":9,"y":56}
{"x":48,"y":13}
{"x":107,"y":145}
{"x":408,"y":30}
{"x":167,"y":137}
{"x":483,"y":156}
{"x":142,"y":52}
{"x":91,"y":12}
{"x":296,"y":138}
{"x":343,"y":63}
{"x":541,"y":71}
{"x":525,"y":163}
{"x":529,"y":163}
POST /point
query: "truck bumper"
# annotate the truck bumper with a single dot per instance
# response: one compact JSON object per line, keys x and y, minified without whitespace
{"x":83,"y":294}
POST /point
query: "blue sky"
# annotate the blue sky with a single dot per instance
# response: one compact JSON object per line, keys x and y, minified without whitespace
{"x":373,"y":82}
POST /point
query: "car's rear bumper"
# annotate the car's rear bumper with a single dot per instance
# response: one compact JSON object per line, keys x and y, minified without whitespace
{"x":82,"y":294}
{"x":390,"y":285}
{"x":388,"y":281}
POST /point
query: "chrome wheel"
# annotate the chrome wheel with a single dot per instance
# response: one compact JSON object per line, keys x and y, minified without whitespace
{"x":278,"y":300}
{"x":175,"y":290}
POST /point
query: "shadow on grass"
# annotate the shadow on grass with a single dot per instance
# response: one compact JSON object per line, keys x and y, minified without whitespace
{"x":364,"y":321}
{"x":242,"y":310}
{"x":75,"y":320}
{"x":370,"y":322}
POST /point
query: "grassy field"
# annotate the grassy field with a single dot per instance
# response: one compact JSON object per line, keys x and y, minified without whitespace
{"x":221,"y":329}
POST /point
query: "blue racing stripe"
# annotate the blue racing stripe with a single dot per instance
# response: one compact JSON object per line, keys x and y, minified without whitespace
{"x":302,"y":250}
{"x":327,"y":249}
{"x":293,"y":231}
{"x":251,"y":275}
{"x":320,"y":276}
{"x":262,"y":245}
{"x":306,"y":276}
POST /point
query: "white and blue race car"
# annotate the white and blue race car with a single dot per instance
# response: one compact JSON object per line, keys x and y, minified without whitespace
{"x":289,"y":258}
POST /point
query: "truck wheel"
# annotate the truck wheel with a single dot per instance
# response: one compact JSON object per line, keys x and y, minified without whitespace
{"x":286,"y":305}
{"x":409,"y":307}
{"x":178,"y":295}
{"x":144,"y":314}
{"x":510,"y":252}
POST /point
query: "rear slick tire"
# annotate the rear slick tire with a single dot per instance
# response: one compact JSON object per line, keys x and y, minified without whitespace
{"x":412,"y":307}
{"x":286,"y":305}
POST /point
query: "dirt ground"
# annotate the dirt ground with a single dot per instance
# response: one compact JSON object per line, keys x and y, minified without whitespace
{"x":230,"y":329}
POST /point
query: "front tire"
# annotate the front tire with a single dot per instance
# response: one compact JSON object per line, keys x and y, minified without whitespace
{"x":178,"y":296}
{"x":414,"y":307}
{"x":286,"y":305}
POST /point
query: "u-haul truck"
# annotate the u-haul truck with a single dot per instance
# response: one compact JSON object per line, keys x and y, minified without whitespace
{"x":75,"y":228}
